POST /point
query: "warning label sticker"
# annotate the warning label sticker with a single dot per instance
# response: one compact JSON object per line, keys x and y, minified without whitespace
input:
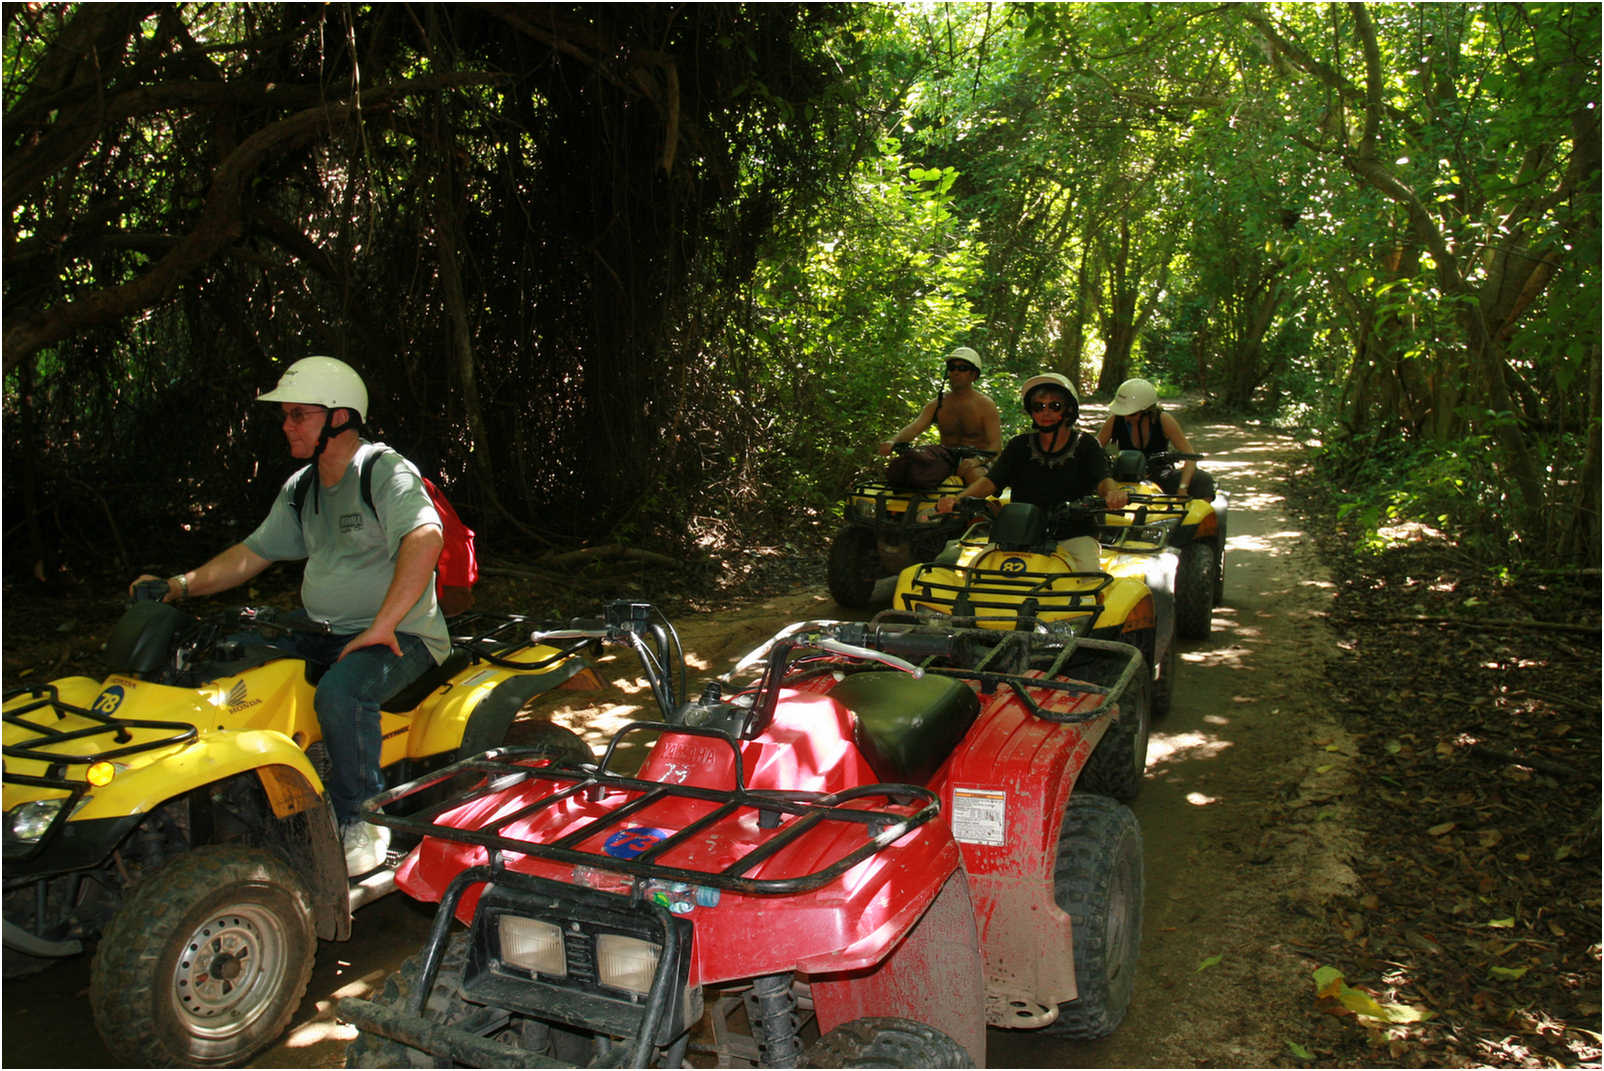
{"x":980,"y":815}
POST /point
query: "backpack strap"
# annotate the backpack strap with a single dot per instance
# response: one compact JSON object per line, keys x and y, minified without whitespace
{"x":304,"y":478}
{"x":301,"y":488}
{"x":365,"y":476}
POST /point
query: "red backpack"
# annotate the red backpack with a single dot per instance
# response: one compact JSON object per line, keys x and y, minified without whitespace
{"x":458,"y":568}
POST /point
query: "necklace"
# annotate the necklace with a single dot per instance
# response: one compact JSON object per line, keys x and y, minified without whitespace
{"x":1052,"y":459}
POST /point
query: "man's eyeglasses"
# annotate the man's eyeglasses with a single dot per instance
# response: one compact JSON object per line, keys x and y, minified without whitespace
{"x":301,"y":416}
{"x":959,"y":366}
{"x":1056,"y":405}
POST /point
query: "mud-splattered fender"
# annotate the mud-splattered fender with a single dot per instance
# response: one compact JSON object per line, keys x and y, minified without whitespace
{"x":934,"y":975}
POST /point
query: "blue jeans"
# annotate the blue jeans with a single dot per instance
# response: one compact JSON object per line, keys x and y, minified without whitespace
{"x":347,"y":705}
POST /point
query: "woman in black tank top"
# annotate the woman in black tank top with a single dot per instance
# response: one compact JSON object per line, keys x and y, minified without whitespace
{"x":1136,"y":422}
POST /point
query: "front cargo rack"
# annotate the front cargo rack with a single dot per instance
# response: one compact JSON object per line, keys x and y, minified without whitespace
{"x":45,"y":744}
{"x":890,"y":507}
{"x":1146,"y":518}
{"x":972,"y":592}
{"x":783,"y":817}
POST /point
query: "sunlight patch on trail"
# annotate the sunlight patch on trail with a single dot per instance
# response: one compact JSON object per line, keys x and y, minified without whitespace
{"x":1253,"y":500}
{"x":1165,"y":748}
{"x":324,"y":1025}
{"x":1235,"y":657}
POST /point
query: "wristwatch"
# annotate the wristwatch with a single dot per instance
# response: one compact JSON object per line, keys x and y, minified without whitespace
{"x":183,"y":586}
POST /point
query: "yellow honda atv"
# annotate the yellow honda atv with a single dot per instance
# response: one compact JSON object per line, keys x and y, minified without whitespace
{"x":887,"y":527}
{"x":174,"y":811}
{"x":1174,"y":543}
{"x":1010,"y":573}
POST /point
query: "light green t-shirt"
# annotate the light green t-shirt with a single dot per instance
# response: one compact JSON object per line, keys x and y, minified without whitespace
{"x":350,"y":554}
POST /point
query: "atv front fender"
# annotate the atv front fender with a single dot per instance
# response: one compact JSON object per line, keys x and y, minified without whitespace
{"x":211,"y":758}
{"x":303,"y":829}
{"x":934,"y":975}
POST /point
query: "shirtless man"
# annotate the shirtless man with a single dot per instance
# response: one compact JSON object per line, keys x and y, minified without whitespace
{"x":963,"y":416}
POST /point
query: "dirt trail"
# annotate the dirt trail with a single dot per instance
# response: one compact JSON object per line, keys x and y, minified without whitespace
{"x":1249,"y":737}
{"x":1242,"y":817}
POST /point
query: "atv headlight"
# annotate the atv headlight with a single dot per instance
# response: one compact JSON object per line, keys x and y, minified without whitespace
{"x":532,"y":945}
{"x":30,"y":821}
{"x":626,"y":962}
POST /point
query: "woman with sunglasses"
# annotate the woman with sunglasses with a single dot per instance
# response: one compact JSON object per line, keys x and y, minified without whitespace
{"x":1052,"y":463}
{"x":1136,"y":422}
{"x":963,"y":416}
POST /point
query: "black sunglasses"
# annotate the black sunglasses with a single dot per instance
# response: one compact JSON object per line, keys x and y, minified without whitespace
{"x":1055,"y":405}
{"x":959,"y":366}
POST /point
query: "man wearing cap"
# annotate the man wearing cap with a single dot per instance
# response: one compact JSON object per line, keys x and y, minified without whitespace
{"x":369,"y":577}
{"x":963,"y":416}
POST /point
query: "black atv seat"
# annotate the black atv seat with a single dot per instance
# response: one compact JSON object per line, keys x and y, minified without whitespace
{"x":905,"y":726}
{"x":413,"y":694}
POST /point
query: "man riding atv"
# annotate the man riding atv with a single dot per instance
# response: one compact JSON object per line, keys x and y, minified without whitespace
{"x":1053,"y":463}
{"x":963,"y":416}
{"x":369,"y":576}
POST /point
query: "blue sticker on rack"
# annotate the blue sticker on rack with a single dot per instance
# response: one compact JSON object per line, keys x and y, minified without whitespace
{"x":628,"y":843}
{"x":1013,"y":566}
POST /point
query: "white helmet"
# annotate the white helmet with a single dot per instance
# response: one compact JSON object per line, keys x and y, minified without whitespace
{"x":323,"y":381}
{"x":964,"y":353}
{"x":1056,"y":382}
{"x":1133,"y":396}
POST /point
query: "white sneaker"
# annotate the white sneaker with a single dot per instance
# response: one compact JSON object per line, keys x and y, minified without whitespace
{"x":365,"y":846}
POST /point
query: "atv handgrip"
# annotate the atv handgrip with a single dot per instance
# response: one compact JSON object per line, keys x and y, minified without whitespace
{"x":916,"y":645}
{"x":852,"y":650}
{"x":578,"y":629}
{"x":150,"y":591}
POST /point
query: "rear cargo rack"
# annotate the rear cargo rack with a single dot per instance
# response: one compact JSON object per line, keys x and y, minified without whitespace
{"x":1146,"y":518}
{"x":887,"y":506}
{"x":44,"y":747}
{"x":785,"y":817}
{"x":1012,"y":660}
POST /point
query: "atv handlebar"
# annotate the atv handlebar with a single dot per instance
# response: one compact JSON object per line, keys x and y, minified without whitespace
{"x":630,"y":624}
{"x":968,"y":507}
{"x":271,"y":617}
{"x":152,"y":590}
{"x":263,"y":617}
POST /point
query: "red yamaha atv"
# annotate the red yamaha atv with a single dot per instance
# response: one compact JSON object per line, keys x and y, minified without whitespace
{"x":1175,"y":543}
{"x":865,"y":858}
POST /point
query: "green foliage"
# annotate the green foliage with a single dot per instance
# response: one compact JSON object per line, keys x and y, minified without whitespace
{"x":848,"y":331}
{"x":619,"y":266}
{"x":1390,"y":487}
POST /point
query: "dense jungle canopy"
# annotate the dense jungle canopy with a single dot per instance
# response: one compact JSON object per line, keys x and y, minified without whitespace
{"x":639,"y":272}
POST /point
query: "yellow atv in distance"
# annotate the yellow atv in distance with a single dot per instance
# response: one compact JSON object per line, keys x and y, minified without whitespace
{"x":888,"y":526}
{"x":175,"y":812}
{"x":1010,"y":573}
{"x":1173,"y":543}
